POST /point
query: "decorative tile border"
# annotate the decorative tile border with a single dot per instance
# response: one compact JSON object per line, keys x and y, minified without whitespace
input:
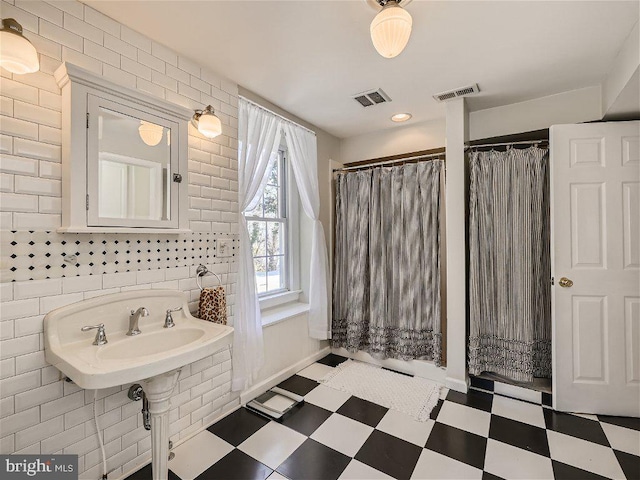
{"x":32,"y":255}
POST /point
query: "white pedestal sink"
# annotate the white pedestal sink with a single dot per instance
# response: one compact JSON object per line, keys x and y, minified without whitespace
{"x":152,"y":358}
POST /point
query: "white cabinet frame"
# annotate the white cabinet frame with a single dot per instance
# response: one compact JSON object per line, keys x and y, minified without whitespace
{"x":77,"y":86}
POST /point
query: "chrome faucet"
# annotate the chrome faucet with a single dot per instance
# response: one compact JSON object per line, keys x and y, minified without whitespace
{"x":133,"y":320}
{"x":101,"y":336}
{"x":168,"y":320}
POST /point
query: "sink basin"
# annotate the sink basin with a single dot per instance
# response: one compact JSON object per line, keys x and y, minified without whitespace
{"x":126,"y":359}
{"x":156,"y":343}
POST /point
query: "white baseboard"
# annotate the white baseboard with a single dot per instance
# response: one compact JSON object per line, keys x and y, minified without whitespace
{"x":418,"y":368}
{"x":520,"y":393}
{"x":275,"y":379}
{"x":457,"y":384}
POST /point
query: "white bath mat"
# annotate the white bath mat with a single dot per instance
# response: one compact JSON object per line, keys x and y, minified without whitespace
{"x":411,"y":395}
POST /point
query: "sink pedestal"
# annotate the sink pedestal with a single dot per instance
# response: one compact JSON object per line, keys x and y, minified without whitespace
{"x":158,"y":390}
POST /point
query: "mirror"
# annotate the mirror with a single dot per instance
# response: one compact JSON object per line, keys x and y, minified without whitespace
{"x":134,"y":158}
{"x":131,"y":158}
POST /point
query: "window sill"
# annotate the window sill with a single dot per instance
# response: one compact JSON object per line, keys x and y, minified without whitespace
{"x":278,"y":299}
{"x":278,"y":314}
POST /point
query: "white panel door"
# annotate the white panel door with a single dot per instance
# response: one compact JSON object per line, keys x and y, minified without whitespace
{"x":595,"y":218}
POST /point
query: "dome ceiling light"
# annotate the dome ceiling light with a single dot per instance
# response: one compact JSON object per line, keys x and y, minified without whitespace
{"x":391,"y":28}
{"x":17,"y":54}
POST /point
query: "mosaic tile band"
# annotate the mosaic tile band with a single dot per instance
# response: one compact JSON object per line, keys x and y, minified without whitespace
{"x":32,"y":255}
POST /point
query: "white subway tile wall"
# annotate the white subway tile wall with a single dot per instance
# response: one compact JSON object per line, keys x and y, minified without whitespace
{"x":39,"y":411}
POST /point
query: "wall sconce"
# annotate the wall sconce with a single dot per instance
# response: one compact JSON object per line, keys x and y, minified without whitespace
{"x":150,"y":133}
{"x":207,"y":123}
{"x":17,"y":54}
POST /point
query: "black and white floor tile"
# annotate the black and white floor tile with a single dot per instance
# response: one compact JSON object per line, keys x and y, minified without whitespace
{"x":477,"y":435}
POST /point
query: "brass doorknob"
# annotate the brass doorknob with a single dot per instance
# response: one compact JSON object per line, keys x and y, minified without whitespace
{"x":565,"y":282}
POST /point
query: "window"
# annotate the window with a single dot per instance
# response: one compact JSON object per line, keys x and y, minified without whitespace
{"x":268,"y":225}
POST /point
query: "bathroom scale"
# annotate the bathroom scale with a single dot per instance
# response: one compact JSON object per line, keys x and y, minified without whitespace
{"x":274,"y":403}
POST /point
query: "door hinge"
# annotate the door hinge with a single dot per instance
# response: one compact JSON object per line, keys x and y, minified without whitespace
{"x":553,"y":282}
{"x":87,"y":119}
{"x":87,"y":203}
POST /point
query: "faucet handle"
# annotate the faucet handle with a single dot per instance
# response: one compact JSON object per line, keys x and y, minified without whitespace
{"x":168,"y":320}
{"x":101,"y":335}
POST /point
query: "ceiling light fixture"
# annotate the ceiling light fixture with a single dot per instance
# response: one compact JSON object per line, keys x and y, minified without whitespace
{"x":207,"y":123}
{"x":391,"y":28}
{"x":150,"y":133}
{"x":17,"y":54}
{"x":401,"y":117}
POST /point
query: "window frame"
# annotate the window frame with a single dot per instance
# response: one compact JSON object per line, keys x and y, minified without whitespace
{"x":289,"y":201}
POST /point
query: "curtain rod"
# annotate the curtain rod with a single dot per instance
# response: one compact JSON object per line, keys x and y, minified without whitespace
{"x":417,"y":157}
{"x":276,"y":114}
{"x":524,"y":142}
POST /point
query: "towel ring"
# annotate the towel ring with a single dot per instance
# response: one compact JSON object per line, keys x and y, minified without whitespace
{"x":201,"y":271}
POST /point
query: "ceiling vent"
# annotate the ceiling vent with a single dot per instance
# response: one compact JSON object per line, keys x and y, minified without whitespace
{"x":458,"y":92}
{"x":374,"y":97}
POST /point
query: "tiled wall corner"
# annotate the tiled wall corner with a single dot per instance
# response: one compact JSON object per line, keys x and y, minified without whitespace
{"x":39,"y":411}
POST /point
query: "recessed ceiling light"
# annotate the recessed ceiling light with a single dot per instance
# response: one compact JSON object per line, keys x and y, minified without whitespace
{"x":401,"y":117}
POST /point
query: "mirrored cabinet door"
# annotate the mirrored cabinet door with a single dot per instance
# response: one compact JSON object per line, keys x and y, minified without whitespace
{"x":131,"y":158}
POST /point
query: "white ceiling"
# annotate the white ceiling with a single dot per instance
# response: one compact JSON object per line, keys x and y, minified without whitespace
{"x":310,"y":57}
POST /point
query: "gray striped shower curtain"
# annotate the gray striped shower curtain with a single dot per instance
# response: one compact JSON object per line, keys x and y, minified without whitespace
{"x":386,"y":289}
{"x":509,"y":264}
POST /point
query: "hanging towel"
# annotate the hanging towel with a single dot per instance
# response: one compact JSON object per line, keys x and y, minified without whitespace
{"x":213,"y":305}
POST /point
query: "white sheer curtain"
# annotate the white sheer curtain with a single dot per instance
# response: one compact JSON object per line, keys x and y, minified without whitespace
{"x":303,"y":152}
{"x":259,"y":135}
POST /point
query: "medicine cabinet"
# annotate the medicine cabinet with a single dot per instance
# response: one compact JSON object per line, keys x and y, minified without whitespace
{"x":124,"y":157}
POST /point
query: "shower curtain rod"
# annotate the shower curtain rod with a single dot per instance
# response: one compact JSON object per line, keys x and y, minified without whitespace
{"x":387,"y":162}
{"x":524,"y":142}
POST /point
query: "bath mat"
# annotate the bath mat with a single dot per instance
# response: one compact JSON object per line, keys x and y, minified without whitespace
{"x":410,"y":395}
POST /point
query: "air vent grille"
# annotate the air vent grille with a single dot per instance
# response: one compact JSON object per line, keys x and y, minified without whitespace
{"x":445,"y":96}
{"x":364,"y":101}
{"x":458,"y":92}
{"x":373,"y":97}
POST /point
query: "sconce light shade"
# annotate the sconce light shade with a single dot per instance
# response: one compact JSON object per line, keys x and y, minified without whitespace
{"x":17,"y":54}
{"x":150,"y":133}
{"x":391,"y":29}
{"x":207,"y":123}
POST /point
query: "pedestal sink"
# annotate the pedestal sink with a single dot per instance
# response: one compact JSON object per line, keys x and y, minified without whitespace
{"x":153,"y":358}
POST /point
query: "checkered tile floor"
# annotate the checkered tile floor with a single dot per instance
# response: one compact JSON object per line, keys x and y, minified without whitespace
{"x":474,"y":436}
